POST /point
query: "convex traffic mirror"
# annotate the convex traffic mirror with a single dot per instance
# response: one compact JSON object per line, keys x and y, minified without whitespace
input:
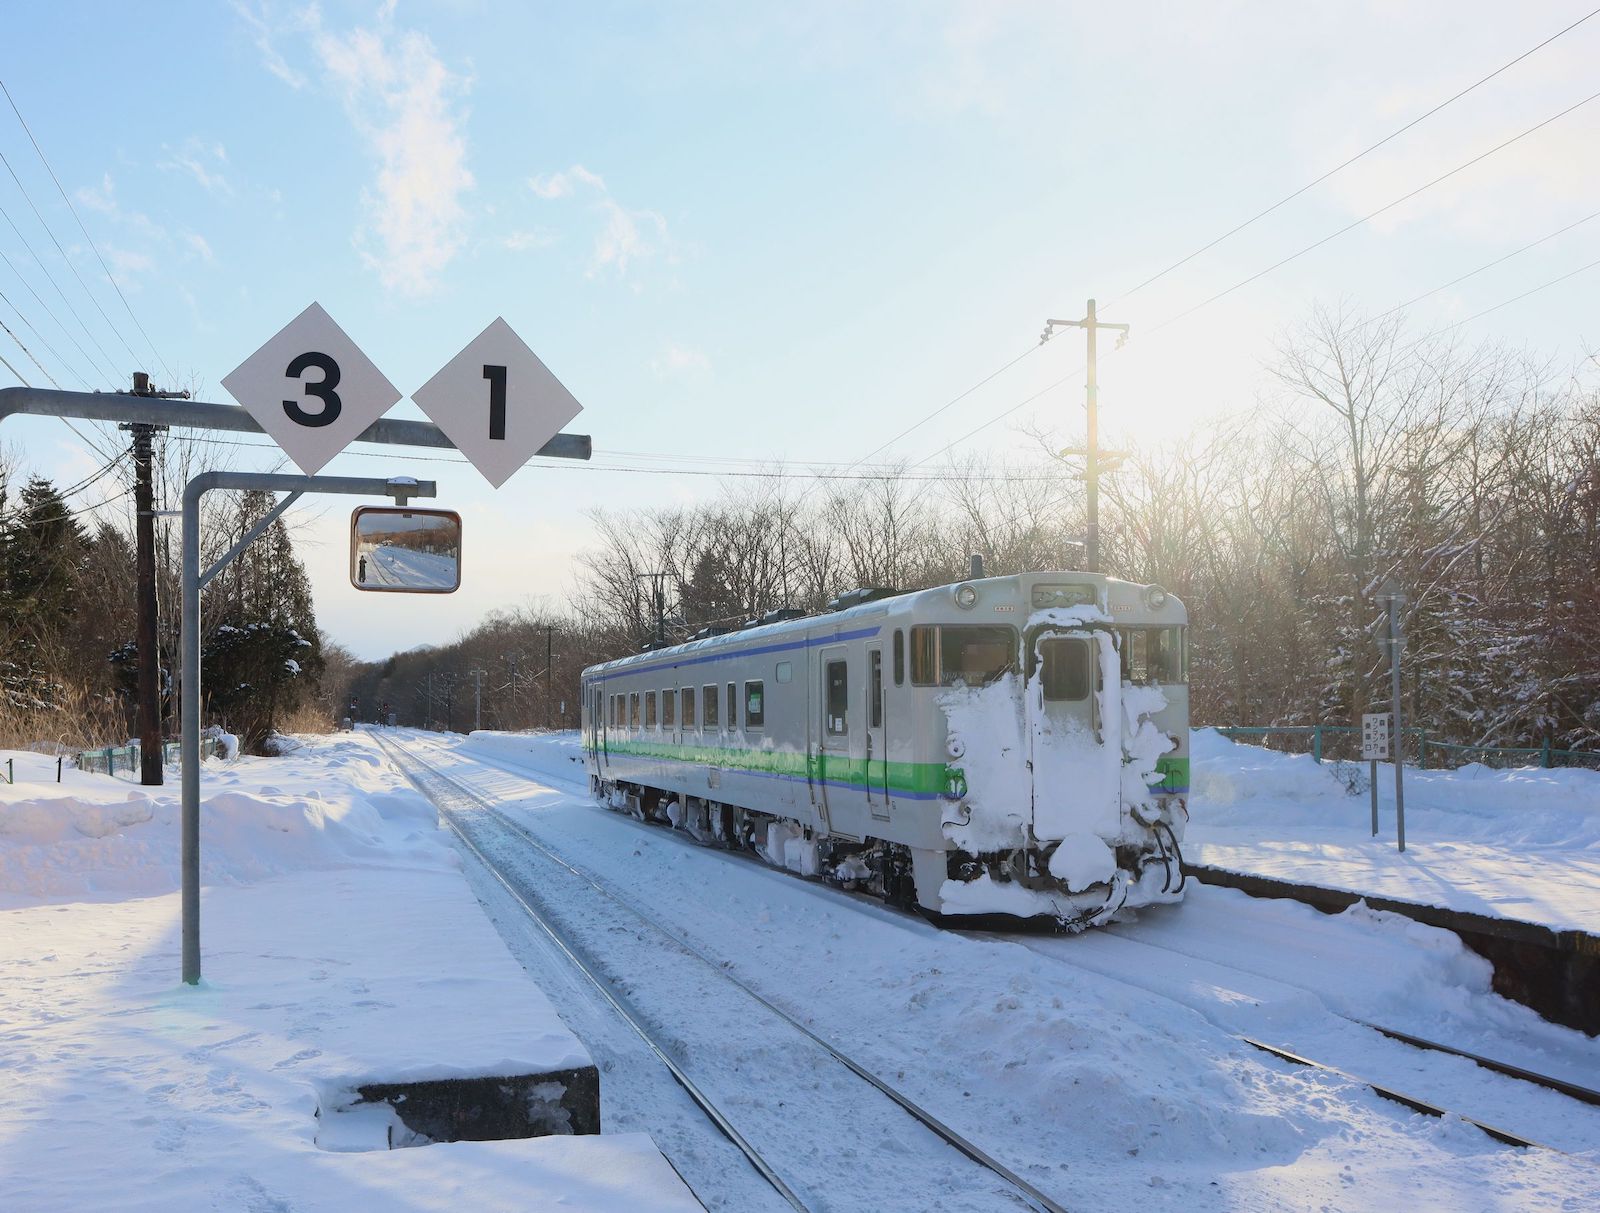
{"x":405,"y":551}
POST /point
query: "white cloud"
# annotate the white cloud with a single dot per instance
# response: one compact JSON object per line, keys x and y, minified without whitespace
{"x":102,"y":198}
{"x":405,"y":103}
{"x":199,"y":246}
{"x":202,"y":161}
{"x":625,"y":236}
{"x":403,"y":100}
{"x":680,"y":361}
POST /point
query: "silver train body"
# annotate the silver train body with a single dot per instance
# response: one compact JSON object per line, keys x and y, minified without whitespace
{"x":1012,"y":746}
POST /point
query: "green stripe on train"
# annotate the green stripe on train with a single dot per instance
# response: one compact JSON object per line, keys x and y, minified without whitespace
{"x":926,"y":778}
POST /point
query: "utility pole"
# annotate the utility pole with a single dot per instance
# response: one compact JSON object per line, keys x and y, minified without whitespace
{"x":550,"y":672}
{"x":1392,"y":598}
{"x":148,"y":631}
{"x":1095,"y":460}
{"x":477,"y":699}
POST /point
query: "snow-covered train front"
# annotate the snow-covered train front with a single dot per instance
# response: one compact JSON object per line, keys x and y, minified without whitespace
{"x":1009,"y":745}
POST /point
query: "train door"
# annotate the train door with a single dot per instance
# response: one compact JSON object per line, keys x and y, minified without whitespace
{"x":877,"y":741}
{"x":1074,"y":735}
{"x":597,"y":723}
{"x":833,"y":745}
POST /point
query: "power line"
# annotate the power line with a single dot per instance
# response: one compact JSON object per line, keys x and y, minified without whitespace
{"x":100,"y":370}
{"x":49,"y":231}
{"x":52,"y":280}
{"x":1372,"y":215}
{"x":29,"y":353}
{"x":1346,"y":164}
{"x":171,"y":378}
{"x":50,"y":348}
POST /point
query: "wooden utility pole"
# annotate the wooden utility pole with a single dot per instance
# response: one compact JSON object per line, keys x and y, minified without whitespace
{"x":1095,"y":461}
{"x":148,"y":631}
{"x":549,"y":673}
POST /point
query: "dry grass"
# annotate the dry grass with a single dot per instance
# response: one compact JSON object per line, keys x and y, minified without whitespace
{"x":307,"y":718}
{"x":80,"y":722}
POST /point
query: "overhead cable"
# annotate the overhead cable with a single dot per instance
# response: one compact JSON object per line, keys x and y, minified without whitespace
{"x":171,"y":378}
{"x":1338,"y":168}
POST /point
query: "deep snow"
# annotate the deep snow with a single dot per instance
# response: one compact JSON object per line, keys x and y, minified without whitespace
{"x":340,"y":946}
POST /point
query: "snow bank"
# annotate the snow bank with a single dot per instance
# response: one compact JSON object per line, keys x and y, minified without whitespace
{"x":557,"y":754}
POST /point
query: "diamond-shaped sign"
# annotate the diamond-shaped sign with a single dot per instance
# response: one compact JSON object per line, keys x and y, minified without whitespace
{"x":312,"y":389}
{"x":497,"y":402}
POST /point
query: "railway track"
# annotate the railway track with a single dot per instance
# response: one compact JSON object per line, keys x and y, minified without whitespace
{"x":1383,"y":1088}
{"x":670,"y":1042}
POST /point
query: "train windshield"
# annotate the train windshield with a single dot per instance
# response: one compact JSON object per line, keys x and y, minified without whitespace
{"x":1153,"y":655}
{"x":967,"y":654}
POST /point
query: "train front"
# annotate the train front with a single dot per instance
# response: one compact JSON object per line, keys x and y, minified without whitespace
{"x":1069,"y":775}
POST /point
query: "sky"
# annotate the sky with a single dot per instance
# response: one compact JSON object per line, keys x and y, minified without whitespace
{"x":749,"y":234}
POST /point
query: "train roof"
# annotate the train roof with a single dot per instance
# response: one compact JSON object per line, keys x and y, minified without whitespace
{"x":876,"y":602}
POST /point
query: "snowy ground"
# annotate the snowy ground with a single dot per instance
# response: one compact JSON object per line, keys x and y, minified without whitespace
{"x":341,"y":945}
{"x":1106,"y":1068}
{"x":1521,"y":844}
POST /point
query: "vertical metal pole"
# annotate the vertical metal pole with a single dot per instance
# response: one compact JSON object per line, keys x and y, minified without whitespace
{"x":1372,"y":786}
{"x":1091,"y":459}
{"x":189,"y":733}
{"x":1316,"y":743}
{"x":149,"y":730}
{"x":550,"y":670}
{"x":1399,"y":733}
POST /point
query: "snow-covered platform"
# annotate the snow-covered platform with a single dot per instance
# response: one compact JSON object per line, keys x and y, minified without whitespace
{"x":1508,"y":859}
{"x":343,"y":953}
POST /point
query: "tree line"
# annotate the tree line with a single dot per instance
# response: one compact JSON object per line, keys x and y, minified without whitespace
{"x":69,"y":656}
{"x":1471,"y":476}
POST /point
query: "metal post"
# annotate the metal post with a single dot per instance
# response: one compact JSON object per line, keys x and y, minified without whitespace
{"x":1316,"y":742}
{"x":189,"y":649}
{"x":1372,"y":786}
{"x":1395,"y":644}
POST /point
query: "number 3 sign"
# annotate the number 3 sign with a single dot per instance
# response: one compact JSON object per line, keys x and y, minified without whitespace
{"x":312,"y":389}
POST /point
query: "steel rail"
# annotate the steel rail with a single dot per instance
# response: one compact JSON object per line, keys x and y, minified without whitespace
{"x":1400,"y":1097}
{"x":1559,"y":1085}
{"x":619,"y":1002}
{"x":1034,"y":1197}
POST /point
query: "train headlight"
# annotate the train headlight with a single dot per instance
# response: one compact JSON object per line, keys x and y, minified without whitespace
{"x":966,"y":596}
{"x":1155,"y":598}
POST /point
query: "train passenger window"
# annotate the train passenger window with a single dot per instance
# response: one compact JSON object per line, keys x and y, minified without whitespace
{"x":875,"y":689}
{"x":755,"y":713}
{"x":688,"y":707}
{"x":785,"y":671}
{"x":899,"y":657}
{"x":971,"y":655}
{"x":633,"y":710}
{"x":708,"y":702}
{"x":669,"y":699}
{"x":649,"y":709}
{"x":612,"y":700}
{"x":1153,"y":655}
{"x":836,"y":696}
{"x":1066,"y":673}
{"x":733,"y":707}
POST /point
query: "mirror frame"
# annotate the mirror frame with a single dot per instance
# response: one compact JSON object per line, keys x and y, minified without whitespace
{"x":355,"y":538}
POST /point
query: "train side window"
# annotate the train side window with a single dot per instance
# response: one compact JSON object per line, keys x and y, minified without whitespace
{"x":708,"y":702}
{"x":669,"y":699}
{"x":633,"y":710}
{"x":875,"y":689}
{"x":612,"y":701}
{"x":836,"y":698}
{"x":649,"y":709}
{"x":899,"y":657}
{"x":785,"y":671}
{"x":733,"y":708}
{"x":924,"y":657}
{"x":755,"y":710}
{"x":688,"y":707}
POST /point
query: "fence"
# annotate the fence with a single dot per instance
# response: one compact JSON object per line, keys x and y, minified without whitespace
{"x":124,"y":759}
{"x":1340,"y":741}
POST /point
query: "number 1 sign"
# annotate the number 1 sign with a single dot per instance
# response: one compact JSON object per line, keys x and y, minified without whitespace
{"x":311,"y":389}
{"x":497,"y":402}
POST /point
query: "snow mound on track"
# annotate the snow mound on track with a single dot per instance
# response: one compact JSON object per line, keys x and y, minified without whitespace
{"x":98,"y":838}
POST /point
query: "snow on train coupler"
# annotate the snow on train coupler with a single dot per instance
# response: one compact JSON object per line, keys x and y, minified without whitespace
{"x":1006,"y":746}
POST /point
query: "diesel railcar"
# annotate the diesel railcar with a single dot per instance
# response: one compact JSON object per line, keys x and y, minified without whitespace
{"x":1012,"y":746}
